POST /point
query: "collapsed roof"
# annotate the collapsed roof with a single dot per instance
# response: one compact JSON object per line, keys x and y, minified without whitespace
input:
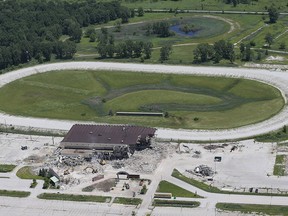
{"x":122,"y":134}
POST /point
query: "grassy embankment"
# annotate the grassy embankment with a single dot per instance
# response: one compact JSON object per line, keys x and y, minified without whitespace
{"x":9,"y":193}
{"x":127,"y":201}
{"x":167,"y":187}
{"x":212,"y":189}
{"x":72,"y":197}
{"x":176,"y":203}
{"x":6,"y":168}
{"x":279,"y":167}
{"x":254,"y":209}
{"x":27,"y":173}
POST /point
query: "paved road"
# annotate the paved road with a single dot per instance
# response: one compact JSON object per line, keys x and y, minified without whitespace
{"x":34,"y":206}
{"x":275,"y":78}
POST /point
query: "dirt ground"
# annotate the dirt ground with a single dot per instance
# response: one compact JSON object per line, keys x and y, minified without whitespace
{"x":249,"y":165}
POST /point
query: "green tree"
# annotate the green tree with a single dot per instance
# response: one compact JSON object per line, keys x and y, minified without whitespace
{"x":102,"y":50}
{"x":89,"y":31}
{"x":269,"y":39}
{"x":129,"y":48}
{"x":282,"y":45}
{"x":242,"y":51}
{"x":138,"y":48}
{"x":229,"y":52}
{"x":110,"y":50}
{"x":165,"y":52}
{"x":147,"y":49}
{"x":140,"y":12}
{"x":203,"y":53}
{"x":273,"y":14}
{"x":125,"y":15}
{"x":161,"y":29}
{"x":92,"y":37}
{"x":248,"y":53}
{"x":118,"y":26}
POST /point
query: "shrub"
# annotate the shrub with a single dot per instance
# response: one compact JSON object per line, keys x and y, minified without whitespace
{"x":143,"y":190}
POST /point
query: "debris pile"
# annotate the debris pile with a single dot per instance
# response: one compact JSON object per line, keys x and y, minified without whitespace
{"x":70,"y":161}
{"x":202,"y":170}
{"x":145,"y":161}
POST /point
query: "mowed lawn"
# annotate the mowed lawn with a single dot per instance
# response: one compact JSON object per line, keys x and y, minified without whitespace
{"x":191,"y":101}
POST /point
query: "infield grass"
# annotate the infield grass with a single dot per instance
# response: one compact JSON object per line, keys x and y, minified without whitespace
{"x":215,"y":102}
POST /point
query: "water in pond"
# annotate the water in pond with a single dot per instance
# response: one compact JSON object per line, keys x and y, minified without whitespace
{"x":177,"y":30}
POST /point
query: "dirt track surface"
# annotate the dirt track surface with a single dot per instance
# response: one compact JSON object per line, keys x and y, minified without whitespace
{"x":275,"y":78}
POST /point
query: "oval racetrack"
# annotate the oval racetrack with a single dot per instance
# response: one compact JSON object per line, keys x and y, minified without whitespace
{"x":277,"y":79}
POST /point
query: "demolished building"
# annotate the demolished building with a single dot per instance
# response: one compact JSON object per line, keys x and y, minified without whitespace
{"x":106,"y":141}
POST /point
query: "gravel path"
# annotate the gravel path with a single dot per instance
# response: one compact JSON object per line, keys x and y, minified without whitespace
{"x":275,"y":78}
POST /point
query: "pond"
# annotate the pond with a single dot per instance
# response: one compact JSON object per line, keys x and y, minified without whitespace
{"x":177,"y":30}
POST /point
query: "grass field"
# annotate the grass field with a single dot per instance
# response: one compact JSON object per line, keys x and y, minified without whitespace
{"x":215,"y":102}
{"x":127,"y":201}
{"x":26,"y":173}
{"x":195,"y":183}
{"x":167,"y":187}
{"x":235,"y":28}
{"x":19,"y":194}
{"x":72,"y":197}
{"x":253,"y":208}
{"x":279,"y":167}
{"x":6,"y":168}
{"x":210,"y":28}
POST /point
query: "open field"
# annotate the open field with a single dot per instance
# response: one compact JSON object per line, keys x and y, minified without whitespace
{"x":167,"y":187}
{"x":210,"y":27}
{"x":236,"y":28}
{"x":253,"y":208}
{"x":191,"y":101}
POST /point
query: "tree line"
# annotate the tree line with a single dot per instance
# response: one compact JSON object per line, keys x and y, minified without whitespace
{"x":205,"y":52}
{"x":125,"y":49}
{"x":33,"y":29}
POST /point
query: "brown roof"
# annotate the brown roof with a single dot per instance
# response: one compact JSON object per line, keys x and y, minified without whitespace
{"x":107,"y":134}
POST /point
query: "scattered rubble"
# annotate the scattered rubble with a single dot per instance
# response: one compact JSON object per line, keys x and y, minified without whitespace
{"x":145,"y":161}
{"x":202,"y":170}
